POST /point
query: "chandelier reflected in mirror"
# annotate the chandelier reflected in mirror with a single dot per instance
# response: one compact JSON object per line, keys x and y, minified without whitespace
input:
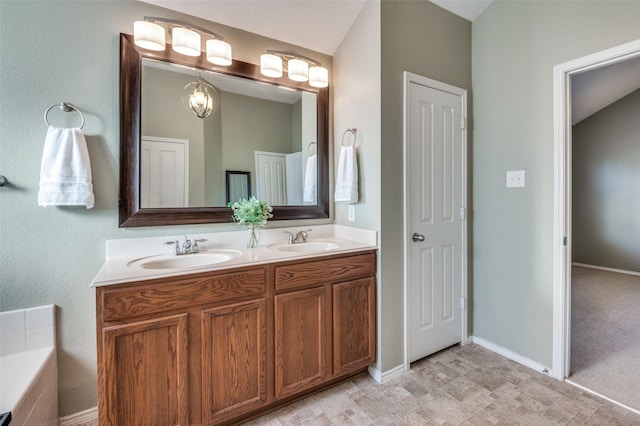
{"x":200,"y":97}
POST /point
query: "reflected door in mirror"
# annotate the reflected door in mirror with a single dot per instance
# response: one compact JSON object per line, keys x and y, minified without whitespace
{"x":164,"y":172}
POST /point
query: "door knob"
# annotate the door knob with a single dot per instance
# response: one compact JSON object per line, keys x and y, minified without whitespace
{"x":417,"y":238}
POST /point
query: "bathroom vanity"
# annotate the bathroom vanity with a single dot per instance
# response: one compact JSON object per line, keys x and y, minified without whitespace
{"x":221,"y":344}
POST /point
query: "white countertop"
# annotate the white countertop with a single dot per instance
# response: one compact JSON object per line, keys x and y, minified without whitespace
{"x":120,"y":253}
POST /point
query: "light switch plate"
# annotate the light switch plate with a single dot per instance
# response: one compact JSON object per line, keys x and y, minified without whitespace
{"x":351,"y":212}
{"x":515,"y":179}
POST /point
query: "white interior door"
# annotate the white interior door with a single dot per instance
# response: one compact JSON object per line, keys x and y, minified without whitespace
{"x":436,"y":190}
{"x":164,"y":172}
{"x":271,"y":177}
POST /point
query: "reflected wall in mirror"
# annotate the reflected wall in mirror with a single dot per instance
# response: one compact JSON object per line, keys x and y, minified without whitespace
{"x":258,"y":127}
{"x":173,"y":164}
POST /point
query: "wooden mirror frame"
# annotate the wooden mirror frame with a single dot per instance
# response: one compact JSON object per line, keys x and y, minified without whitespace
{"x":130,"y":213}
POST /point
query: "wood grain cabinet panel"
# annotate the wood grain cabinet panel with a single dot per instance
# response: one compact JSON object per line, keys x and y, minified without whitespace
{"x":300,"y":340}
{"x":234,"y":360}
{"x":222,"y":347}
{"x":180,"y":293}
{"x":143,"y":376}
{"x":298,"y":275}
{"x":354,"y":325}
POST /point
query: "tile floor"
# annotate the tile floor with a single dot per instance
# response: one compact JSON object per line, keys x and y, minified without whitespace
{"x":459,"y":386}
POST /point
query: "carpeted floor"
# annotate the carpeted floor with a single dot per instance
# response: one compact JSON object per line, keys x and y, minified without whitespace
{"x":605,"y":333}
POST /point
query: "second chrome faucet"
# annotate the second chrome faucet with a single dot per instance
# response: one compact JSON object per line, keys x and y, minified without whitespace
{"x":186,"y":248}
{"x":300,"y":236}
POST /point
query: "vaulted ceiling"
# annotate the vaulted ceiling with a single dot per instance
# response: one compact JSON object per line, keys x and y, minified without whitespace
{"x":321,"y":25}
{"x":318,"y":25}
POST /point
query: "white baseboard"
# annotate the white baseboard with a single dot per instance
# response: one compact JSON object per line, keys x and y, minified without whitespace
{"x":81,"y":418}
{"x":604,"y":268}
{"x":381,"y":377}
{"x":507,"y":353}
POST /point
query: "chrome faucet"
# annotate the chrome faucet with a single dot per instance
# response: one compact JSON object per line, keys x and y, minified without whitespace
{"x":300,"y":237}
{"x":186,"y":248}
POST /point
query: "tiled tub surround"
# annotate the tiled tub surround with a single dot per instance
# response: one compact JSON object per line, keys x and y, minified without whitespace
{"x":121,"y":252}
{"x":28,"y":366}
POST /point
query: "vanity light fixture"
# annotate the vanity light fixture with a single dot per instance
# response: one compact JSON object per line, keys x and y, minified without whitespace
{"x":185,"y":39}
{"x":297,"y":67}
{"x":201,"y":97}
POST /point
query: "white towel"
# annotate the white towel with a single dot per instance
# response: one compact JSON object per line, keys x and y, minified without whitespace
{"x":65,"y":172}
{"x":347,"y":179}
{"x":310,"y":180}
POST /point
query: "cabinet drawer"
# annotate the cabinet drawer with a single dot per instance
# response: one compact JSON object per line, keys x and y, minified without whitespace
{"x":331,"y":270}
{"x":179,"y":293}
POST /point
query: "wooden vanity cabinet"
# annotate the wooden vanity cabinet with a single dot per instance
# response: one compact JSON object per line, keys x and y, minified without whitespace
{"x":223,"y":346}
{"x":324,"y":320}
{"x":181,"y":351}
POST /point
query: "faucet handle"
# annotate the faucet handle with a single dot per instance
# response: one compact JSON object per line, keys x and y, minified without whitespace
{"x":304,"y":235}
{"x":175,"y":244}
{"x":291,"y":237}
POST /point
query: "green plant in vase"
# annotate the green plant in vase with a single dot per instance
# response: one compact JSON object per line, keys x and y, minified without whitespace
{"x":254,"y":214}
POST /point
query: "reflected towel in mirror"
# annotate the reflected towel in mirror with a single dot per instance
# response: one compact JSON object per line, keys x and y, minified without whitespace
{"x":310,"y":180}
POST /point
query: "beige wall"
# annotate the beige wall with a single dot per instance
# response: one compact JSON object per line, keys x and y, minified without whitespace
{"x":424,"y":39}
{"x":515,"y":46}
{"x":54,"y":51}
{"x":358,"y":105}
{"x":606,"y":186}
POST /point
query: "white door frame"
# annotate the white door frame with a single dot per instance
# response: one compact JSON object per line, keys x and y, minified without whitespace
{"x":434,"y":84}
{"x":562,"y":194}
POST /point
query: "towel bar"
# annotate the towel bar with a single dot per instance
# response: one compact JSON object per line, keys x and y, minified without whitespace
{"x":66,"y":107}
{"x":354,"y":132}
{"x":3,"y":180}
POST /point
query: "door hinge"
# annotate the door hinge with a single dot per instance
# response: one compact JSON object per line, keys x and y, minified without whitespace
{"x":463,"y":303}
{"x":462,"y":122}
{"x":564,"y":241}
{"x":463,"y":213}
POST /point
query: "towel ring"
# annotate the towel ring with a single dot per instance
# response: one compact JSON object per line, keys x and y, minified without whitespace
{"x":66,"y":107}
{"x":309,"y":147}
{"x":354,"y":132}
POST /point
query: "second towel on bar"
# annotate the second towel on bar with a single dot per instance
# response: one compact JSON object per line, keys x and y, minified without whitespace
{"x":65,"y":172}
{"x":347,"y":177}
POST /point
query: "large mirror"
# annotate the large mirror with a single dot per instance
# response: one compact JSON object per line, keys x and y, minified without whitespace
{"x":267,"y":138}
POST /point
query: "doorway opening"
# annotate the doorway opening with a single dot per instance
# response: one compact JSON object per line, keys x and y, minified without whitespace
{"x":563,"y":148}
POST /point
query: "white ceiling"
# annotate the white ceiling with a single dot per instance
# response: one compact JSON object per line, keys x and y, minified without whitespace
{"x":318,"y":25}
{"x":468,"y":9}
{"x":594,"y":90}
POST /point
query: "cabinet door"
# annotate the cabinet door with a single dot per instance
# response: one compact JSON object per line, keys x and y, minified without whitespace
{"x":354,"y":325}
{"x":144,"y":373}
{"x":300,"y":340}
{"x":234,"y":360}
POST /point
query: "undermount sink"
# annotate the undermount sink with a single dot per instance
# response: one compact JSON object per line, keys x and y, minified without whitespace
{"x":167,"y":261}
{"x":307,"y":247}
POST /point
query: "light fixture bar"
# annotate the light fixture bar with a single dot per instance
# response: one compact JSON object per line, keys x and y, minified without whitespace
{"x":291,"y":55}
{"x":183,"y":25}
{"x":299,"y":68}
